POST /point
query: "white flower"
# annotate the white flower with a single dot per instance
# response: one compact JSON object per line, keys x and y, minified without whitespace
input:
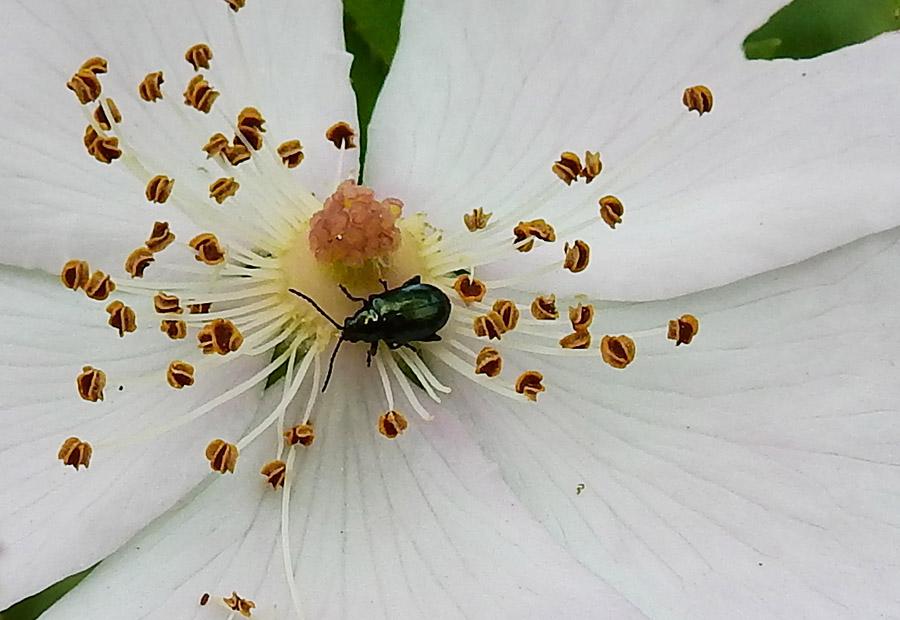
{"x":750,"y":474}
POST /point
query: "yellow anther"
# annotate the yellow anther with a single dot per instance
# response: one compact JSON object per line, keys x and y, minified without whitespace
{"x":180,"y":374}
{"x":223,"y":188}
{"x":236,"y":5}
{"x":508,"y":312}
{"x":208,"y":250}
{"x":581,"y":316}
{"x":291,"y":153}
{"x":150,"y":87}
{"x":535,"y":228}
{"x":682,"y":330}
{"x":592,"y":166}
{"x":238,"y":604}
{"x":90,"y":383}
{"x":302,"y":434}
{"x":199,"y":308}
{"x":199,"y":94}
{"x":530,"y":384}
{"x":198,"y":56}
{"x":75,"y":274}
{"x":341,"y":135}
{"x":611,"y":210}
{"x":579,"y":339}
{"x":250,"y":126}
{"x":391,"y":424}
{"x":236,"y":153}
{"x":121,"y":317}
{"x":217,"y":144}
{"x":222,"y":456}
{"x":104,"y":150}
{"x":469,"y":289}
{"x":568,"y":167}
{"x":544,"y":308}
{"x":167,"y":304}
{"x":617,"y":351}
{"x":490,"y":325}
{"x":86,"y":85}
{"x":698,"y":98}
{"x":102,"y":119}
{"x":75,"y":452}
{"x":160,"y":237}
{"x":138,"y":261}
{"x":95,"y":65}
{"x":488,"y":362}
{"x":477,"y":219}
{"x":274,"y":473}
{"x":577,"y":256}
{"x":220,"y":336}
{"x":176,"y":330}
{"x":159,"y":188}
{"x":99,"y":286}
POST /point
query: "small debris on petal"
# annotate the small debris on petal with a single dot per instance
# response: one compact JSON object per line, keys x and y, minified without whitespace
{"x":198,"y":56}
{"x":274,"y":473}
{"x":291,"y":153}
{"x":121,"y":317}
{"x":90,"y":383}
{"x":391,"y":424}
{"x":75,"y":452}
{"x":469,"y":289}
{"x":200,"y":95}
{"x":568,"y":167}
{"x":167,"y":304}
{"x":577,"y":256}
{"x":581,"y":316}
{"x":99,"y":286}
{"x":477,"y":219}
{"x":682,"y":330}
{"x":149,"y":88}
{"x":508,"y":312}
{"x":204,"y":599}
{"x":490,"y":325}
{"x":220,"y":336}
{"x":341,"y":135}
{"x":544,"y":308}
{"x":698,"y":98}
{"x":176,"y":330}
{"x":617,"y":351}
{"x":488,"y":362}
{"x":222,"y":456}
{"x":160,"y":237}
{"x":208,"y":249}
{"x":223,"y":188}
{"x":180,"y":374}
{"x":611,"y":210}
{"x":159,"y":188}
{"x":302,"y":434}
{"x":592,"y":166}
{"x":75,"y":274}
{"x":580,"y":339}
{"x":238,"y":604}
{"x":529,"y":384}
{"x":138,"y":261}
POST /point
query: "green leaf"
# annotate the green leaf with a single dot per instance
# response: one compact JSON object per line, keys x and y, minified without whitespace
{"x":33,"y":606}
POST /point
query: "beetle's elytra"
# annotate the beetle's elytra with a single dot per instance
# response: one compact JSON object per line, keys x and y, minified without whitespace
{"x":412,"y":312}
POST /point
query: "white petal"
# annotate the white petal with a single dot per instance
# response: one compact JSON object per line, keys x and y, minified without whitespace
{"x":54,"y":520}
{"x":285,"y":57}
{"x":418,"y":527}
{"x":794,"y":159}
{"x":751,"y":474}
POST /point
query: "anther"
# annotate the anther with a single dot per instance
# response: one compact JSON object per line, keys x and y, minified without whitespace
{"x":568,"y":167}
{"x":238,"y":604}
{"x":490,"y":325}
{"x":90,"y":383}
{"x":477,"y":219}
{"x":222,"y":457}
{"x":167,"y":304}
{"x":199,"y":308}
{"x":159,"y":188}
{"x":217,"y":144}
{"x":274,"y":473}
{"x":95,"y":65}
{"x":488,"y":362}
{"x":391,"y":424}
{"x":138,"y":261}
{"x":535,"y":228}
{"x":176,"y":330}
{"x":581,"y":316}
{"x":529,"y":384}
{"x":75,"y":452}
{"x":160,"y":237}
{"x":611,"y":210}
{"x":99,"y":286}
{"x":102,"y":119}
{"x":149,"y":88}
{"x":592,"y":166}
{"x":698,"y":98}
{"x":198,"y":56}
{"x":86,"y":85}
{"x":199,"y":94}
{"x":104,"y":150}
{"x":237,"y":153}
{"x":180,"y":374}
{"x":221,"y":336}
{"x":291,"y":153}
{"x":302,"y":434}
{"x":208,"y":250}
{"x":579,"y":339}
{"x":121,"y":317}
{"x":223,"y":188}
{"x":577,"y":256}
{"x":250,"y":126}
{"x":469,"y":289}
{"x":509,"y":313}
{"x":75,"y":274}
{"x":617,"y":351}
{"x":544,"y":308}
{"x":682,"y":330}
{"x":341,"y":135}
{"x":236,"y":5}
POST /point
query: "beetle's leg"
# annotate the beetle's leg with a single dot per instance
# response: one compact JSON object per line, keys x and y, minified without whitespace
{"x":384,"y":284}
{"x":371,"y":353}
{"x":349,"y":296}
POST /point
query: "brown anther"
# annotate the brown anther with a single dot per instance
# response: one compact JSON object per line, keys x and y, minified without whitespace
{"x":159,"y":188}
{"x":236,"y":5}
{"x":149,"y":88}
{"x":221,"y":455}
{"x":250,"y":126}
{"x":611,"y":210}
{"x":223,"y":188}
{"x":508,"y":312}
{"x":199,"y":308}
{"x":208,"y":249}
{"x":99,"y":286}
{"x":592,"y":166}
{"x":90,"y":383}
{"x":238,"y":604}
{"x":102,"y":119}
{"x":391,"y":424}
{"x":529,"y":384}
{"x":121,"y":317}
{"x":160,"y":237}
{"x":302,"y":434}
{"x":75,"y":274}
{"x":217,"y":144}
{"x":341,"y":135}
{"x":579,"y":339}
{"x":236,"y":154}
{"x":682,"y":330}
{"x":490,"y":325}
{"x":617,"y":351}
{"x":544,"y":308}
{"x":220,"y":336}
{"x":274,"y":473}
{"x":568,"y":167}
{"x":138,"y":261}
{"x":488,"y":362}
{"x":477,"y":219}
{"x":469,"y":289}
{"x":86,"y":85}
{"x":199,"y":94}
{"x":204,"y":599}
{"x":698,"y":98}
{"x":102,"y":149}
{"x":95,"y":65}
{"x":581,"y":316}
{"x":535,"y":228}
{"x":180,"y":374}
{"x":198,"y":56}
{"x":577,"y":256}
{"x":291,"y":153}
{"x":176,"y":330}
{"x":75,"y":452}
{"x":167,"y":304}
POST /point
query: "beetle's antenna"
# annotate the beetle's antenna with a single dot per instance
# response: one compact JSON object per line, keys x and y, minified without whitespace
{"x":331,"y":363}
{"x":322,"y":312}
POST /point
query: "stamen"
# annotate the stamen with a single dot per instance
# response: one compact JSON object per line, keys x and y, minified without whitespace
{"x":236,"y":5}
{"x":592,"y":166}
{"x":237,"y":153}
{"x":104,"y":150}
{"x":391,"y":424}
{"x":160,"y":237}
{"x":95,"y":65}
{"x":250,"y":126}
{"x":490,"y":325}
{"x":159,"y":188}
{"x":221,"y":336}
{"x":198,"y":56}
{"x":75,"y":452}
{"x":121,"y":317}
{"x":180,"y":374}
{"x":568,"y":167}
{"x":200,"y":95}
{"x":580,"y":339}
{"x":698,"y":98}
{"x":274,"y":473}
{"x":149,"y":88}
{"x":488,"y":362}
{"x":581,"y":316}
{"x":302,"y":434}
{"x":617,"y":351}
{"x":216,"y":145}
{"x":341,"y":135}
{"x":544,"y":308}
{"x":75,"y":274}
{"x":469,"y":289}
{"x":222,"y":456}
{"x":86,"y":85}
{"x":99,"y":286}
{"x":577,"y":256}
{"x":477,"y":219}
{"x":199,"y":308}
{"x":223,"y":188}
{"x":683,"y":329}
{"x":611,"y":210}
{"x":90,"y":383}
{"x":535,"y":228}
{"x":235,"y":602}
{"x":101,"y":118}
{"x":176,"y":330}
{"x":167,"y":304}
{"x":208,"y":249}
{"x":291,"y":153}
{"x":529,"y":384}
{"x":138,"y":261}
{"x":508,"y":312}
